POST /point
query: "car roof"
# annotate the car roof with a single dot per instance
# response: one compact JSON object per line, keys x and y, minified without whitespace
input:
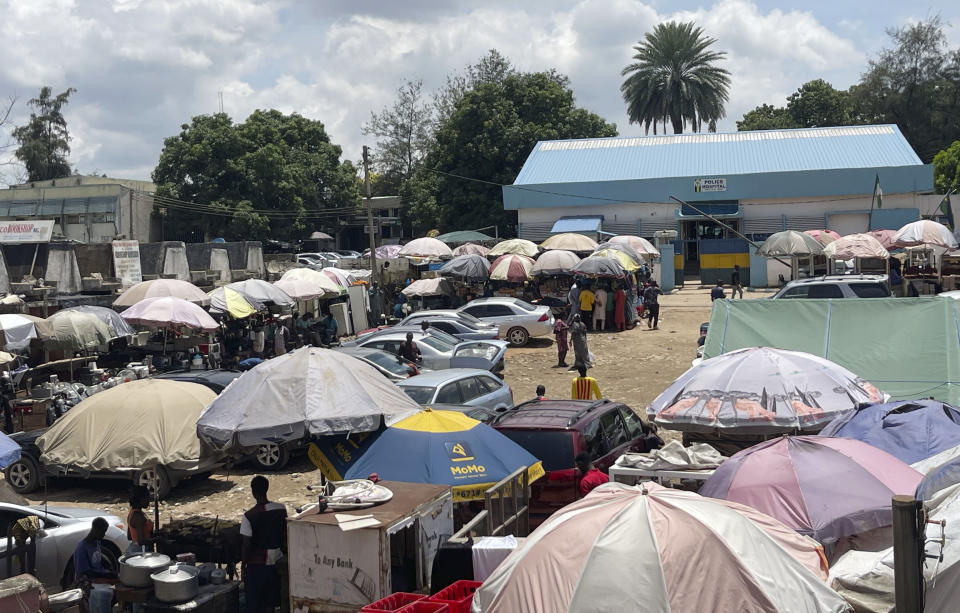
{"x":837,"y":279}
{"x":498,"y":299}
{"x":439,"y":377}
{"x":221,"y":376}
{"x":362,"y":351}
{"x":435,"y":313}
{"x":552,"y":414}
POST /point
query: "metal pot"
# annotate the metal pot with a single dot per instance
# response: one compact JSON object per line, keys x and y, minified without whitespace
{"x":136,"y":568}
{"x":179,"y":583}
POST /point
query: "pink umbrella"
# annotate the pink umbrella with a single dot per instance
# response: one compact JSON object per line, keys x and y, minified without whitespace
{"x":300,"y":289}
{"x":169,"y":312}
{"x":856,"y":246}
{"x":471,"y":249}
{"x":511,"y":267}
{"x":925,"y":232}
{"x":162,"y":287}
{"x":824,"y":236}
{"x":885,"y":237}
{"x":638,"y":243}
{"x":823,"y":487}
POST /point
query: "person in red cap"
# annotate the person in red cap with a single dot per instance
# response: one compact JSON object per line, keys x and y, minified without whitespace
{"x":591,"y":476}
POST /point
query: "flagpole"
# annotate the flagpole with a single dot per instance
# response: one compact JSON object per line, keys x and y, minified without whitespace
{"x":873,"y":201}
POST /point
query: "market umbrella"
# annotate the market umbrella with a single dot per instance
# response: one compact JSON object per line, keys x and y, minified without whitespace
{"x":555,"y":262}
{"x":638,"y":243}
{"x":760,"y":390}
{"x":230,"y":301}
{"x":262,"y":291}
{"x":309,"y":391}
{"x":108,"y":316}
{"x":341,"y":277}
{"x":321,"y":236}
{"x":569,"y":241}
{"x":169,"y":312}
{"x":78,"y":330}
{"x":426,"y":247}
{"x":911,"y":430}
{"x":464,"y":236}
{"x":299,"y":289}
{"x":856,"y":246}
{"x":445,"y":448}
{"x":789,"y":243}
{"x":516,"y":246}
{"x":824,"y":237}
{"x":511,"y":267}
{"x":925,"y":232}
{"x":885,"y":237}
{"x":385,"y":252}
{"x":624,"y":247}
{"x":18,"y":330}
{"x":657,"y":550}
{"x":131,"y":426}
{"x":822,"y":487}
{"x":629,"y":263}
{"x":314,"y":276}
{"x":598,"y":266}
{"x":160,"y":288}
{"x":470,"y":267}
{"x":9,"y":451}
{"x":471,"y":248}
{"x":428,"y":287}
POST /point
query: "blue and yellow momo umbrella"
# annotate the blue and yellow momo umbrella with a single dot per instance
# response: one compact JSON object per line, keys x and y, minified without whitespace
{"x":445,"y":448}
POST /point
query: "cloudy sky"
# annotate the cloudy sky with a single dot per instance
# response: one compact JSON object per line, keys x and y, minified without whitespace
{"x":143,"y":67}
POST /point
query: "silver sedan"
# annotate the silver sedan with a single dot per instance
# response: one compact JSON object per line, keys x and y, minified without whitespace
{"x":518,"y":318}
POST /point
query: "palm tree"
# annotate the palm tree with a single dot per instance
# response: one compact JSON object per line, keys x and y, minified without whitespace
{"x":674,"y":77}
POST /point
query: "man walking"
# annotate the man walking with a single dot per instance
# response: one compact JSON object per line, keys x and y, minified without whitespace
{"x":560,"y":333}
{"x":584,"y":387}
{"x":735,"y":283}
{"x":652,"y":304}
{"x":578,"y":334}
{"x":599,"y":308}
{"x":586,"y":306}
{"x":264,"y":532}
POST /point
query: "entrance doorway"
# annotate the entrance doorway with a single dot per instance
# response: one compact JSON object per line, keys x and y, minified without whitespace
{"x":702,"y":229}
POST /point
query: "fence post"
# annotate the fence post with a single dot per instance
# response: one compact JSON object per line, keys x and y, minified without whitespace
{"x":908,"y":551}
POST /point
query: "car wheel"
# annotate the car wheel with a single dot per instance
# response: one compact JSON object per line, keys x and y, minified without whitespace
{"x":156,"y":480}
{"x":24,"y":475}
{"x":518,"y":336}
{"x":111,"y":561}
{"x":272,"y":456}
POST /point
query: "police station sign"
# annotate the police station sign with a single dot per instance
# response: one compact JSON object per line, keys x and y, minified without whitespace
{"x":15,"y":232}
{"x":710,"y":185}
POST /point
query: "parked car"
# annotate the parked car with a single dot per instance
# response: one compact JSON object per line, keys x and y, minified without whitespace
{"x":521,"y":319}
{"x":315,"y":260}
{"x":464,"y":386}
{"x":414,"y":318}
{"x":479,"y":413}
{"x":217,"y":379}
{"x":390,"y":365}
{"x":61,"y":530}
{"x":29,"y":472}
{"x":349,"y":253}
{"x":459,"y":328}
{"x":555,"y":431}
{"x":438,"y":350}
{"x":836,"y":286}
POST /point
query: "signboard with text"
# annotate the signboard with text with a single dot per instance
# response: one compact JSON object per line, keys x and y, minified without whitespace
{"x":15,"y":232}
{"x":710,"y":185}
{"x":126,"y":262}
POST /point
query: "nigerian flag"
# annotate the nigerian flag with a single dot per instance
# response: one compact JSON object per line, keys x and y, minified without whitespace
{"x":878,"y":193}
{"x":945,"y":209}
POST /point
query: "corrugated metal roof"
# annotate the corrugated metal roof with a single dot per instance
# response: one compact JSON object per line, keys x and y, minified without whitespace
{"x":706,"y":154}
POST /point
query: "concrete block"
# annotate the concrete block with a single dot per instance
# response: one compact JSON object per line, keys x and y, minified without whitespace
{"x":220,"y":262}
{"x":62,"y":267}
{"x":4,"y":275}
{"x":175,"y":261}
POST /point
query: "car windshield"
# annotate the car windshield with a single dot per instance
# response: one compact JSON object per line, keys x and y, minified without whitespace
{"x":470,"y":318}
{"x":482,"y":350}
{"x":526,"y":306}
{"x":440,"y":343}
{"x":419,"y":394}
{"x":553,"y":448}
{"x":388,"y":362}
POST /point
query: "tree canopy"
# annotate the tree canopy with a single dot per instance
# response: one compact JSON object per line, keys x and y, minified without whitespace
{"x":675,"y":77}
{"x":274,"y":174}
{"x":946,"y":169}
{"x":44,"y":141}
{"x":403,"y":133}
{"x":815,"y":104}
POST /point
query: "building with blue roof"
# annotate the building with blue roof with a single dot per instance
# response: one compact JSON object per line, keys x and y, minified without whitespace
{"x":758,"y":182}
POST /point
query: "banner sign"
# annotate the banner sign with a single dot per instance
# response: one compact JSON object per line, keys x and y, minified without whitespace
{"x":126,"y":262}
{"x":13,"y":232}
{"x":710,"y":185}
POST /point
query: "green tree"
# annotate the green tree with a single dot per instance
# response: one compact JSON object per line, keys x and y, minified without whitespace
{"x":403,"y":132}
{"x":491,"y":68}
{"x":767,"y":117}
{"x":44,"y":142}
{"x":488,"y":136}
{"x":815,"y":104}
{"x":272,"y":176}
{"x":675,"y":78}
{"x":946,"y":169}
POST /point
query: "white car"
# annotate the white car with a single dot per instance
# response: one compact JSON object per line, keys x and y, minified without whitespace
{"x":61,"y":529}
{"x":520,"y":319}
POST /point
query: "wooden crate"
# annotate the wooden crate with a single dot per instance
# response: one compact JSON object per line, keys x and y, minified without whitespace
{"x":30,"y":414}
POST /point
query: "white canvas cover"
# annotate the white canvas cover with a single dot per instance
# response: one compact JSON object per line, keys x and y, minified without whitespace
{"x":310,"y":390}
{"x":18,"y":330}
{"x":131,"y":426}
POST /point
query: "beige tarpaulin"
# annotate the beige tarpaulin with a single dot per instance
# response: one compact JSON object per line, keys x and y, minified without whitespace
{"x":131,"y":426}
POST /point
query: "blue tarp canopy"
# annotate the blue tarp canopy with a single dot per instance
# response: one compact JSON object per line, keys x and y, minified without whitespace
{"x":577,"y":224}
{"x":9,"y":451}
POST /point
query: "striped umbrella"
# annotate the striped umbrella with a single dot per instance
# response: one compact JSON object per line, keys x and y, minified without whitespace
{"x":659,"y":550}
{"x":555,"y":262}
{"x":159,"y":288}
{"x":569,"y":241}
{"x":629,"y":263}
{"x":511,"y":267}
{"x":855,"y":246}
{"x":925,"y":232}
{"x":227,"y":300}
{"x":471,"y":249}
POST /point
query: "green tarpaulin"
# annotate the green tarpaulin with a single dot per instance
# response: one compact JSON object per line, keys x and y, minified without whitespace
{"x":907,"y":347}
{"x":465,"y":236}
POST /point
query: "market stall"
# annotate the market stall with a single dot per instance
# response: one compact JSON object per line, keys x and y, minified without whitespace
{"x":344,"y":560}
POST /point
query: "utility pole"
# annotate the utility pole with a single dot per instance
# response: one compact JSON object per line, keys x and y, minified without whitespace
{"x":374,"y":271}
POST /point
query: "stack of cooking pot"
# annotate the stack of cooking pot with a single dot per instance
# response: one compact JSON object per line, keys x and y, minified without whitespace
{"x":171,"y":582}
{"x":136,"y":568}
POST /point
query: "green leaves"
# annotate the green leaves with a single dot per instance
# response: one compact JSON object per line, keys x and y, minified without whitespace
{"x":44,"y":142}
{"x":946,"y":169}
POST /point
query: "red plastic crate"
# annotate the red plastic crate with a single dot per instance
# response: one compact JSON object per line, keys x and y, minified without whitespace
{"x":425,"y":606}
{"x":393,"y":602}
{"x":459,"y":595}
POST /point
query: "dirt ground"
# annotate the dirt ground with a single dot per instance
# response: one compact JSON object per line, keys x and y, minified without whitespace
{"x":632,"y":367}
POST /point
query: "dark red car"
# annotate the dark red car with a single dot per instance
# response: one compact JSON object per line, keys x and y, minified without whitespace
{"x":555,"y":431}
